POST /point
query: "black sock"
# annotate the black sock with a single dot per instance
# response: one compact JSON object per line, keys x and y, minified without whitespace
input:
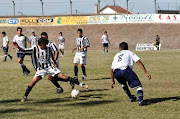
{"x":9,"y":56}
{"x":73,"y":80}
{"x":83,"y":70}
{"x":54,"y":81}
{"x":75,"y":71}
{"x":28,"y":90}
{"x":127,"y":91}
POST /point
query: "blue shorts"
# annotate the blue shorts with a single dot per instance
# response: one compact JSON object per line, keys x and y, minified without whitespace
{"x":20,"y":55}
{"x":5,"y":49}
{"x":127,"y":75}
{"x":105,"y":45}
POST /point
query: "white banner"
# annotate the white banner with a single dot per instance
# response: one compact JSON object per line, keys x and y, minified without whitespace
{"x":167,"y":18}
{"x":142,"y":47}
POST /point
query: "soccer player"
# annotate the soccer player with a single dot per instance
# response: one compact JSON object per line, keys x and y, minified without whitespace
{"x":21,"y":40}
{"x":61,"y":41}
{"x":33,"y":40}
{"x":157,"y":42}
{"x":5,"y":46}
{"x":105,"y":42}
{"x":42,"y":61}
{"x":81,"y":53}
{"x":55,"y":54}
{"x":122,"y":70}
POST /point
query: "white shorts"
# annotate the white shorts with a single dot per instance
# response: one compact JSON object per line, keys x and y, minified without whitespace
{"x":51,"y":71}
{"x":61,"y":46}
{"x":80,"y":58}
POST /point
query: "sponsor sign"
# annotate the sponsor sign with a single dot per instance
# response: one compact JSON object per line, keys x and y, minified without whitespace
{"x":13,"y":21}
{"x":142,"y":47}
{"x":71,"y":20}
{"x":45,"y":21}
{"x":28,"y":21}
{"x":98,"y":19}
{"x":2,"y":21}
{"x":167,"y":18}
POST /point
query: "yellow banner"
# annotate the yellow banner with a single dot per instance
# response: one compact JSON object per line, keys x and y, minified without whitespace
{"x":71,"y":20}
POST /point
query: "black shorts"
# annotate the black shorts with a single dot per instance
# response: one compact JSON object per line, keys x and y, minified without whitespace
{"x":5,"y":49}
{"x":105,"y":45}
{"x":157,"y":43}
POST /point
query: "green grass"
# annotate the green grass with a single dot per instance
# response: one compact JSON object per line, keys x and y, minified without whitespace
{"x":100,"y":101}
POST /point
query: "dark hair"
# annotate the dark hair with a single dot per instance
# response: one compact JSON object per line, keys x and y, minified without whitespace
{"x":33,"y":32}
{"x":42,"y":41}
{"x":80,"y":30}
{"x":105,"y":31}
{"x":44,"y":34}
{"x":60,"y":32}
{"x":123,"y":45}
{"x":4,"y":33}
{"x":19,"y":28}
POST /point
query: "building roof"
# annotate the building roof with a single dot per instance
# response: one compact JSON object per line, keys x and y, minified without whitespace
{"x":118,"y":9}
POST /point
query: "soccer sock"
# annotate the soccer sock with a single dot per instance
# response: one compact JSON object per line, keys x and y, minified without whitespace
{"x":5,"y":57}
{"x":140,"y":94}
{"x":54,"y":81}
{"x":23,"y":67}
{"x":73,"y":80}
{"x":83,"y":70}
{"x":126,"y":90}
{"x":28,"y":90}
{"x":9,"y":55}
{"x":75,"y":71}
{"x":107,"y":50}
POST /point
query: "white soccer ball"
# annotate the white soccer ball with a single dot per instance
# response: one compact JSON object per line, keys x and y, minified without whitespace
{"x":75,"y":93}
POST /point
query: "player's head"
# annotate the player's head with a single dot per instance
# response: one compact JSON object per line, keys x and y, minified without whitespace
{"x":3,"y":33}
{"x":123,"y":46}
{"x":33,"y":33}
{"x":79,"y":32}
{"x":60,"y":33}
{"x":42,"y":42}
{"x":157,"y":35}
{"x":105,"y":32}
{"x":44,"y":35}
{"x":19,"y":30}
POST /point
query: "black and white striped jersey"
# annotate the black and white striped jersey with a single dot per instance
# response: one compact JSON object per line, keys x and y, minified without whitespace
{"x":53,"y":46}
{"x":41,"y":59}
{"x":81,"y":42}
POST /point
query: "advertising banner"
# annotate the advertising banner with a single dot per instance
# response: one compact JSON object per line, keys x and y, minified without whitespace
{"x":37,"y":21}
{"x":71,"y":20}
{"x":142,"y":47}
{"x":167,"y":18}
{"x":9,"y":22}
{"x":100,"y":19}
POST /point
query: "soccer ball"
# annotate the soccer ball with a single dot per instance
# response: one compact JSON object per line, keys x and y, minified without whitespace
{"x":75,"y":94}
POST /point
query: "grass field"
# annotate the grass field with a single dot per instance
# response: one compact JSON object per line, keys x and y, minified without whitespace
{"x":100,"y":101}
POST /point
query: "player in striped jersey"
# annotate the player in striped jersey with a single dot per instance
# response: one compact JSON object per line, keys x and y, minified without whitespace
{"x":61,"y":41}
{"x":21,"y":40}
{"x":42,"y":61}
{"x":81,"y":53}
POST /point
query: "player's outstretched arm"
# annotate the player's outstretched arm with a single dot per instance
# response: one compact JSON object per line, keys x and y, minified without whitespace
{"x":74,"y":49}
{"x":141,"y":65}
{"x":112,"y":78}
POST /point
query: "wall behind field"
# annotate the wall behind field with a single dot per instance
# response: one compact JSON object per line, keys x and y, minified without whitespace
{"x":131,"y":33}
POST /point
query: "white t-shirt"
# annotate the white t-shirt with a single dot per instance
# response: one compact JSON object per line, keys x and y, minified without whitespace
{"x":5,"y":41}
{"x":124,"y":59}
{"x":61,"y":39}
{"x":33,"y":40}
{"x":21,"y":41}
{"x":105,"y":39}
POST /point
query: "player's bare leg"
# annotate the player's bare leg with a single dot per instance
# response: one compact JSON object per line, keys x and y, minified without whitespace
{"x":29,"y":88}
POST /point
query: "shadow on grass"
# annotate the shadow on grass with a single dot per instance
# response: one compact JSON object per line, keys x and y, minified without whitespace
{"x":9,"y":101}
{"x":91,"y":103}
{"x":157,"y":100}
{"x":102,"y":78}
{"x":12,"y":111}
{"x":48,"y":101}
{"x":94,"y":90}
{"x":93,"y":96}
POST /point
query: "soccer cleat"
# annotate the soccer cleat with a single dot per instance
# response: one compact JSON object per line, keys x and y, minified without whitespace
{"x":11,"y":58}
{"x":59,"y":90}
{"x":24,"y":99}
{"x":85,"y":86}
{"x":142,"y":103}
{"x":84,"y":77}
{"x":133,"y":98}
{"x":27,"y":72}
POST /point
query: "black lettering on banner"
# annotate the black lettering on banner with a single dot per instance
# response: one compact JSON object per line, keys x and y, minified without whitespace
{"x":120,"y":57}
{"x":28,"y":21}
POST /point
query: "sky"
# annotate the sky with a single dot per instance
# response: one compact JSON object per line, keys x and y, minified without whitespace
{"x":62,"y":7}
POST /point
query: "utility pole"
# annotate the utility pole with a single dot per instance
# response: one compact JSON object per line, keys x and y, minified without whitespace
{"x":99,"y":5}
{"x":114,"y":2}
{"x":127,"y":2}
{"x":13,"y":8}
{"x":71,"y":6}
{"x":76,"y":11}
{"x":42,"y":3}
{"x":155,"y":6}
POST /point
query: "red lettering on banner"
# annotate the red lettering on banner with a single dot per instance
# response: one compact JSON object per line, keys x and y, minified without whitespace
{"x":168,"y":17}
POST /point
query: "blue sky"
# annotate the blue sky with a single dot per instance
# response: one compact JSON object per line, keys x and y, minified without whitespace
{"x":58,"y":7}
